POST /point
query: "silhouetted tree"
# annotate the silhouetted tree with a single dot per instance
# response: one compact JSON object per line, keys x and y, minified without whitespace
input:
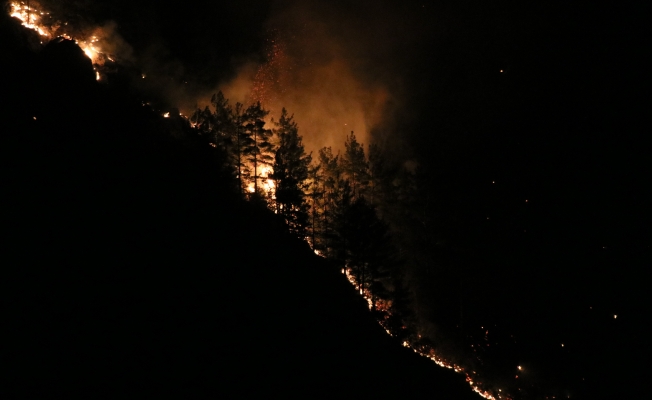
{"x":256,"y":145}
{"x":242,"y":140}
{"x":377,"y":169}
{"x":329,"y":176}
{"x":223,"y":120}
{"x":338,"y":231}
{"x":290,"y":174}
{"x":218,"y":127}
{"x":202,"y":121}
{"x":316,"y":194}
{"x":355,"y":166}
{"x":368,"y":249}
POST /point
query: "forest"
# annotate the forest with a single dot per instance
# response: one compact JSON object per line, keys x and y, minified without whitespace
{"x":333,"y":202}
{"x":142,"y":242}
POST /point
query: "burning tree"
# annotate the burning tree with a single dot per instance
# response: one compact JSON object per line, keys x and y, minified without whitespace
{"x":242,"y":135}
{"x":258,"y":150}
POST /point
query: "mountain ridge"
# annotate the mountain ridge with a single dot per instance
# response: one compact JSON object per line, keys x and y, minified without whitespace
{"x":136,"y":270}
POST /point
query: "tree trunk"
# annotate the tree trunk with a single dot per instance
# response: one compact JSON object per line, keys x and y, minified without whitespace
{"x":314,"y":246}
{"x":237,"y":134}
{"x":255,"y":161}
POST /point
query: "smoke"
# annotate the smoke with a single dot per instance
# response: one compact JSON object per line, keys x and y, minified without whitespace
{"x":320,"y":67}
{"x":337,"y":66}
{"x":112,"y":42}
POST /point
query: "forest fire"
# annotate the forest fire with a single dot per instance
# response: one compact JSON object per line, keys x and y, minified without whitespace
{"x":265,"y":182}
{"x":30,"y":17}
{"x":422,"y":350}
{"x":42,"y":22}
{"x":261,"y":173}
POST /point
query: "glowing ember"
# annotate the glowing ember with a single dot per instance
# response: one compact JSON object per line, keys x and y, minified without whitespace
{"x":29,"y":16}
{"x":268,"y":183}
{"x":41,"y":22}
{"x":421,"y":350}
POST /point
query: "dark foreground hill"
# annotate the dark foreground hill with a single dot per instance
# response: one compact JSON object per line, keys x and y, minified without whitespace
{"x":129,"y":267}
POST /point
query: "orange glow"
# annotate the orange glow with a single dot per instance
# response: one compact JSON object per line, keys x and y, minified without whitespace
{"x":33,"y":18}
{"x":275,"y":86}
{"x":30,"y":17}
{"x":421,"y":350}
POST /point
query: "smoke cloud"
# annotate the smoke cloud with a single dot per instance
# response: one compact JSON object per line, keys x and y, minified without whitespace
{"x":312,"y":69}
{"x":337,"y":66}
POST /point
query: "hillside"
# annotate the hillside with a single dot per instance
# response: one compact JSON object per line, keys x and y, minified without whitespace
{"x":132,"y":268}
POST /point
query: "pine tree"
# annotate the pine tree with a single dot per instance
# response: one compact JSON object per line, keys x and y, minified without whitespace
{"x":215,"y":125}
{"x":254,"y":149}
{"x":338,"y":230}
{"x":258,"y":149}
{"x":223,"y":121}
{"x":316,"y":195}
{"x":241,"y":140}
{"x":329,"y":177}
{"x":202,"y":121}
{"x":291,"y":166}
{"x":218,"y":127}
{"x":369,"y":251}
{"x":355,"y":166}
{"x":377,"y":170}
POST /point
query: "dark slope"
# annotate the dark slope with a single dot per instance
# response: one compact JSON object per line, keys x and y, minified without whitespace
{"x":130,"y":268}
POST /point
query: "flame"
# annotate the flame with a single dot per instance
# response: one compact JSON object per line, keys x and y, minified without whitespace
{"x":35,"y":19}
{"x":422,"y":350}
{"x":29,"y":16}
{"x":268,"y":183}
{"x":265,"y":183}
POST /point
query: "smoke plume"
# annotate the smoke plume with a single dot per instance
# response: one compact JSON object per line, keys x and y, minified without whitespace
{"x":311,"y":68}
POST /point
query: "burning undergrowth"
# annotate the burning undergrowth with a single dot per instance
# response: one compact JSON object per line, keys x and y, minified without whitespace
{"x":101,"y":44}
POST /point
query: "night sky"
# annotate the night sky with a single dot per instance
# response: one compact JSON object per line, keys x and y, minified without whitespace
{"x":529,"y":121}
